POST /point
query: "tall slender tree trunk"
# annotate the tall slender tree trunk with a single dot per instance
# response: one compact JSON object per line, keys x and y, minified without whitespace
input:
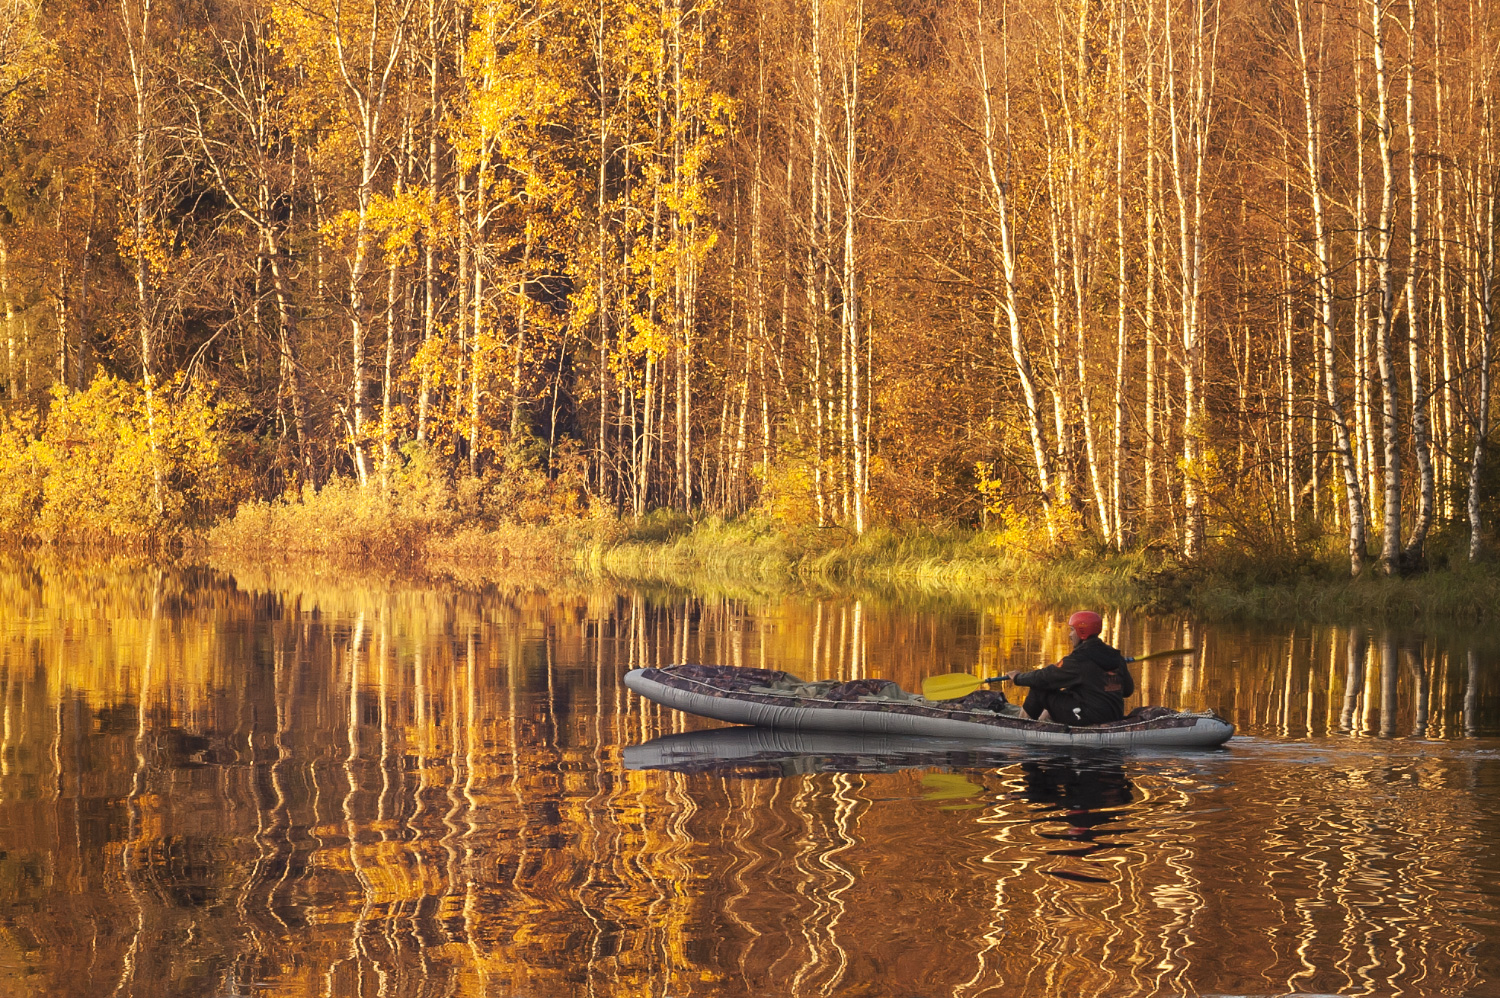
{"x":369,"y":83}
{"x":478,"y":333}
{"x":1117,"y":461}
{"x":1448,"y":397}
{"x":392,"y":297}
{"x":1288,"y":346}
{"x":1414,"y":553}
{"x":1364,"y":406}
{"x":1148,"y":317}
{"x":601,"y":238}
{"x":138,"y":40}
{"x":682,"y":272}
{"x":1484,"y":243}
{"x":851,"y":311}
{"x":1390,"y":550}
{"x":429,"y":238}
{"x":517,"y":388}
{"x":999,"y":191}
{"x":12,"y":379}
{"x":1353,"y":497}
{"x":291,"y":365}
{"x":1079,"y":231}
{"x":1187,"y":178}
{"x":758,"y":330}
{"x":814,"y":259}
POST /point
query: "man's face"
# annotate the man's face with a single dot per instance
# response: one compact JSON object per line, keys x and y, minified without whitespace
{"x":1073,"y":635}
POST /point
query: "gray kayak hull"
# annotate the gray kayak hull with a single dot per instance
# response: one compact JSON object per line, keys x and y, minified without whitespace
{"x":677,"y":688}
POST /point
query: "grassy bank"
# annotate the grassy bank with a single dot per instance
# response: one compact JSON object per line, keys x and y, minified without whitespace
{"x":969,"y":563}
{"x":347,"y":526}
{"x":962,"y":563}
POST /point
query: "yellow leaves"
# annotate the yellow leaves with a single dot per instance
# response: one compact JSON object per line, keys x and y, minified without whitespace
{"x":400,"y":218}
{"x":155,"y":245}
{"x":22,"y":471}
{"x":26,"y":52}
{"x":303,"y":37}
{"x":91,"y":468}
{"x":990,"y":487}
{"x":650,"y":339}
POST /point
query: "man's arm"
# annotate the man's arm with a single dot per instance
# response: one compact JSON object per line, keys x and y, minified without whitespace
{"x":1048,"y":677}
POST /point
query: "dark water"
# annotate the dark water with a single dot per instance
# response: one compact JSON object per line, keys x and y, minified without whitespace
{"x":234,"y":786}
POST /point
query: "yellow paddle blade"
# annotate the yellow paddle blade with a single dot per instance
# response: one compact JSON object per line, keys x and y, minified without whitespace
{"x":950,"y":686}
{"x":951,"y":786}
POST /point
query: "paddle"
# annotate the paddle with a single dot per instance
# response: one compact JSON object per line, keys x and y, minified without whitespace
{"x":953,"y":685}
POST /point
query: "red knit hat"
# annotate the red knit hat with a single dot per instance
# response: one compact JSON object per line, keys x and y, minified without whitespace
{"x":1086,"y":623}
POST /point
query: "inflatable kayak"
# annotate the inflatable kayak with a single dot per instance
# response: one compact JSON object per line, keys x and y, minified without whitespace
{"x":772,"y":699}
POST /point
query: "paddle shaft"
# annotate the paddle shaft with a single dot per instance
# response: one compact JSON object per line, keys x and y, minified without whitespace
{"x":959,"y":684}
{"x":1136,"y":658}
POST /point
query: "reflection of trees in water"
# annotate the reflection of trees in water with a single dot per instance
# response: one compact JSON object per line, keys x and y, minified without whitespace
{"x":347,"y":813}
{"x":413,"y":792}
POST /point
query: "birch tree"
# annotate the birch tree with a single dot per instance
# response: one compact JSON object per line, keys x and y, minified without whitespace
{"x":355,"y":48}
{"x":1414,"y":553}
{"x":999,"y":162}
{"x":1312,"y":121}
{"x":1385,"y":302}
{"x":1190,"y":95}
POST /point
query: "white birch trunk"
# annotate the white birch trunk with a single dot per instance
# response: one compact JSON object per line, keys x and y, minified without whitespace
{"x":429,"y":239}
{"x":1484,"y":240}
{"x":1414,"y":554}
{"x":1187,"y":179}
{"x":12,"y":381}
{"x":814,"y":260}
{"x":851,"y":311}
{"x":368,"y":84}
{"x":138,"y":40}
{"x":1390,"y":549}
{"x":1354,"y":499}
{"x":1117,"y":459}
{"x":999,"y":191}
{"x":1148,"y":317}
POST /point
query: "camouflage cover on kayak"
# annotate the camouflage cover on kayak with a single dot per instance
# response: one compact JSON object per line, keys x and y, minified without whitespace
{"x":782,"y":689}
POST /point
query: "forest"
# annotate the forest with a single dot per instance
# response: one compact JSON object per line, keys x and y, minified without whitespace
{"x":1120,"y":273}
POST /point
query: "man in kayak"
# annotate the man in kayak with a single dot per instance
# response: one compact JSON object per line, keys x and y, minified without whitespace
{"x":1089,"y":686}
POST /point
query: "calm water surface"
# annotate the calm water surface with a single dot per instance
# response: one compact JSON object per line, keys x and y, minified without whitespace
{"x":217,"y":785}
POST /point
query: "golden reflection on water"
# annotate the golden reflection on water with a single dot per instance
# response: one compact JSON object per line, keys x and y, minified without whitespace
{"x":277,"y":786}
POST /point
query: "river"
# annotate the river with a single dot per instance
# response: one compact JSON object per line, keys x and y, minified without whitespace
{"x":309,"y":783}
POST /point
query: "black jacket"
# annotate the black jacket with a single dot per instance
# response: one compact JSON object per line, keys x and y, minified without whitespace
{"x":1094,"y":677}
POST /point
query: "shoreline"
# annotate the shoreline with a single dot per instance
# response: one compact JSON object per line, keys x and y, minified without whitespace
{"x":754,"y":558}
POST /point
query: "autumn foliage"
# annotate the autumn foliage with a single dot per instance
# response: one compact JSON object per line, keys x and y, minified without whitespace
{"x":1197,"y":274}
{"x":97,"y":470}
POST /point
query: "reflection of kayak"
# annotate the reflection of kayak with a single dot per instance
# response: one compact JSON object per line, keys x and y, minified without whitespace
{"x":777,"y":752}
{"x":771,"y":699}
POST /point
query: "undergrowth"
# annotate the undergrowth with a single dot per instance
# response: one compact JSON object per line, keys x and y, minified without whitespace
{"x":426,"y":525}
{"x":1310,"y":584}
{"x":422,"y":519}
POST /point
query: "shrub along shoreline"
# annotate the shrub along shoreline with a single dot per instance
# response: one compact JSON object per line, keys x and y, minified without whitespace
{"x":112,"y":469}
{"x":755,"y":555}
